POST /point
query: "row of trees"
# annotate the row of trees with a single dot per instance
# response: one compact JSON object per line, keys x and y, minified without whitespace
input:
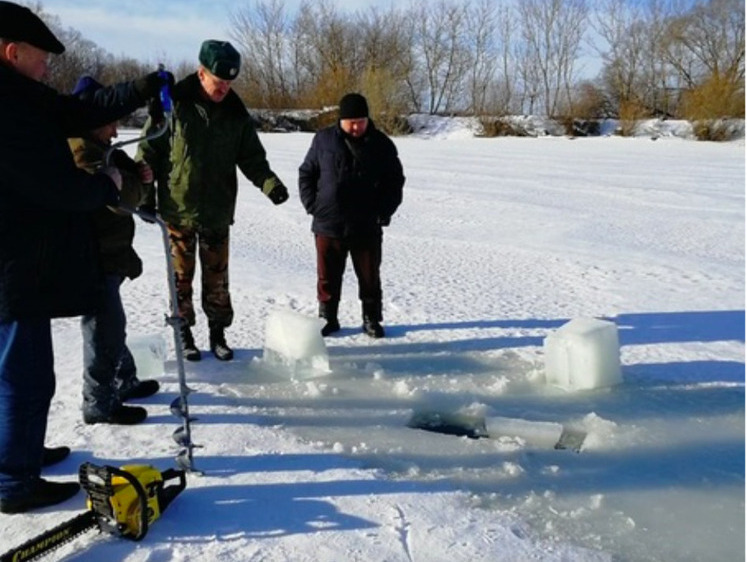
{"x":681,"y":58}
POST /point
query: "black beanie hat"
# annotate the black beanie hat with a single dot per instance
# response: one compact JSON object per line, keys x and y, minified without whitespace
{"x":353,"y":106}
{"x":18,"y":23}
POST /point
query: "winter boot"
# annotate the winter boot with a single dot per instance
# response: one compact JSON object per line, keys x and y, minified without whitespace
{"x":139,"y":389}
{"x":41,"y":493}
{"x":53,"y":455}
{"x":189,"y":349}
{"x":373,"y":328}
{"x":328,"y":311}
{"x":218,"y":344}
{"x":122,"y":415}
{"x":372,"y":320}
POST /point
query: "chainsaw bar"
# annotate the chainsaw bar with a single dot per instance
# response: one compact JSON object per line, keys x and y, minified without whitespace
{"x":52,"y":539}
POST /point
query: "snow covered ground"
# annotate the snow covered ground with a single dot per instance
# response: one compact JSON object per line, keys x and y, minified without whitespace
{"x":498,"y":242}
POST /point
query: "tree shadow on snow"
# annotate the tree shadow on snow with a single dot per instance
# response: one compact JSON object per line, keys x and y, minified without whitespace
{"x":678,"y":327}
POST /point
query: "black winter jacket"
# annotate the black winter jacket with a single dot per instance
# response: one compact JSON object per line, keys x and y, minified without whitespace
{"x":115,"y":230}
{"x":48,"y":267}
{"x":350,"y":194}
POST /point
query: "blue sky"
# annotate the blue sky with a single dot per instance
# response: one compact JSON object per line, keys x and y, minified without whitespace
{"x":168,"y":31}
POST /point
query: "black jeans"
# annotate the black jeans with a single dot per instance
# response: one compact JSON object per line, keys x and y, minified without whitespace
{"x":331,"y":255}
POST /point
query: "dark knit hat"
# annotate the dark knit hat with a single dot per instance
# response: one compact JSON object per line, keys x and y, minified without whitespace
{"x":353,"y":106}
{"x":86,"y":87}
{"x":220,"y":58}
{"x":18,"y":23}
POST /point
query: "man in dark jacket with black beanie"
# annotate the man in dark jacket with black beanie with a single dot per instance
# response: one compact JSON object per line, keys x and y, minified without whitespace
{"x":351,"y":183}
{"x":47,"y":259}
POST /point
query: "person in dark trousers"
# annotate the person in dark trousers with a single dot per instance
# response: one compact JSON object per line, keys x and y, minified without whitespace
{"x":351,"y":183}
{"x":211,"y":134}
{"x":109,"y":371}
{"x":48,"y":265}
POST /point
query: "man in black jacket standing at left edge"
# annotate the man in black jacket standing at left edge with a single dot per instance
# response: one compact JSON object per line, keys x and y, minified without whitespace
{"x":47,"y":260}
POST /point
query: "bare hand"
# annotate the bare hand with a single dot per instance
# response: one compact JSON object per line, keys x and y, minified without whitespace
{"x":145,"y":172}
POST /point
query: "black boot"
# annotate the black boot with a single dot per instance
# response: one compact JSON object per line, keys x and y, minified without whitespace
{"x":53,"y":455}
{"x":189,"y":349}
{"x":372,"y":320}
{"x":328,"y":311}
{"x":121,"y":415}
{"x":41,"y":493}
{"x":218,"y":344}
{"x":373,"y":328}
{"x":139,"y":389}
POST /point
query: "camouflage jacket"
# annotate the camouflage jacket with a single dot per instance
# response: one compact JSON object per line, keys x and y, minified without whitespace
{"x":115,"y":230}
{"x":195,"y":161}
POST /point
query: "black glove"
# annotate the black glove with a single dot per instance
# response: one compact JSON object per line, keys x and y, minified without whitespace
{"x":275,"y":190}
{"x":147,"y":210}
{"x":155,"y":110}
{"x":384,"y":221}
{"x":149,"y":86}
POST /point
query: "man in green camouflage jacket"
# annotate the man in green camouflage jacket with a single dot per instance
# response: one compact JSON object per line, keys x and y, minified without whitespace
{"x":194,"y":164}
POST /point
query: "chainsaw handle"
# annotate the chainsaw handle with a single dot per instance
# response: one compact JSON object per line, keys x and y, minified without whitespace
{"x":167,"y":494}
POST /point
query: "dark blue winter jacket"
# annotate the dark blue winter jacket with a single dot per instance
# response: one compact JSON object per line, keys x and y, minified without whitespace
{"x":48,"y":266}
{"x":350,"y":186}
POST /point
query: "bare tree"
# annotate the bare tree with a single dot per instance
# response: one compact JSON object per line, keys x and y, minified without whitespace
{"x":552,"y":31}
{"x":623,"y":30}
{"x":262,"y":32}
{"x":329,"y":52}
{"x":707,"y":41}
{"x":481,"y":32}
{"x":384,"y":52}
{"x":439,"y":43}
{"x":503,"y":87}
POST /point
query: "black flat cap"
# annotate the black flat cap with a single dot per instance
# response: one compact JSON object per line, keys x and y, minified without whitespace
{"x":18,"y":23}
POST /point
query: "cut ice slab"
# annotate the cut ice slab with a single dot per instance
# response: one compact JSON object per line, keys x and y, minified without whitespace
{"x":149,"y":354}
{"x":583,"y":354}
{"x":294,"y":343}
{"x":545,"y":435}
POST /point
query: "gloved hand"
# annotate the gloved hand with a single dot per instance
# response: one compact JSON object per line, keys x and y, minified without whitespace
{"x":384,"y":221}
{"x":147,"y":210}
{"x":275,"y":190}
{"x":149,"y":86}
{"x":155,"y":110}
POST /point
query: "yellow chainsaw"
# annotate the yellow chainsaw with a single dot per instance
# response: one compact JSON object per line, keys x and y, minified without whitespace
{"x":121,"y":501}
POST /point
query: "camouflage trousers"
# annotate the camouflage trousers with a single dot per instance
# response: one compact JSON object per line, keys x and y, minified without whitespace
{"x":213,"y":252}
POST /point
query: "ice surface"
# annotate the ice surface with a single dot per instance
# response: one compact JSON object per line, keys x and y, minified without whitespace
{"x":294,"y":341}
{"x":583,"y":354}
{"x":149,"y":353}
{"x":535,"y":433}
